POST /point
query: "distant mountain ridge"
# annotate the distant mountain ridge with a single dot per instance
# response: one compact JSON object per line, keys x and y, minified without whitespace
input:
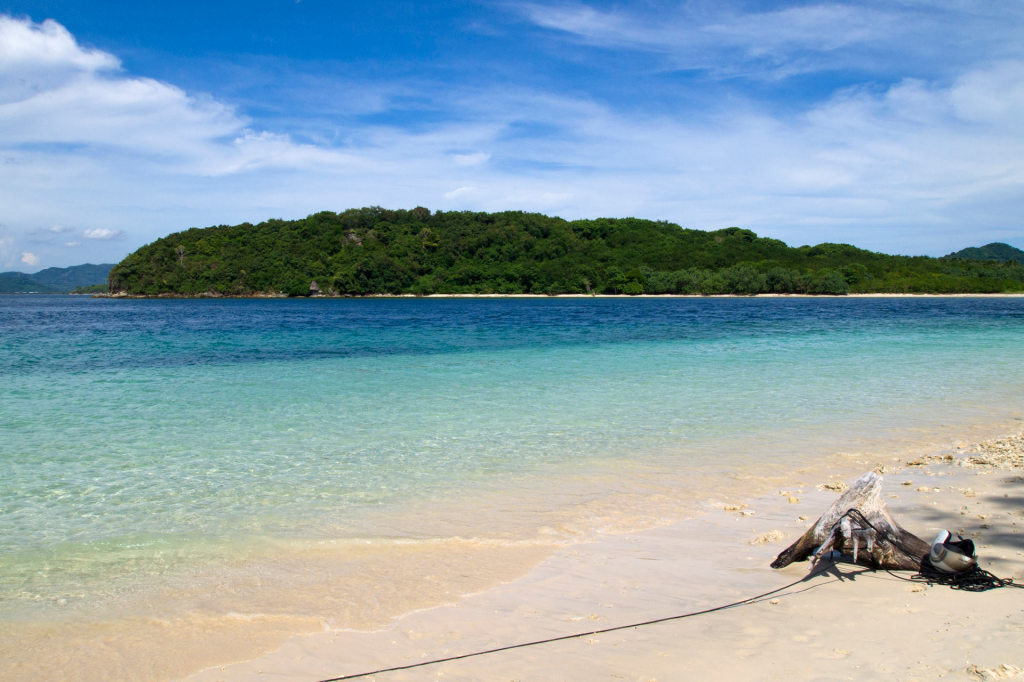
{"x":20,"y":283}
{"x":995,"y":251}
{"x":54,"y":280}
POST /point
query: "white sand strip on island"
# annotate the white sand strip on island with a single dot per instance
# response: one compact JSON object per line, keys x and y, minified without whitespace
{"x":844,"y":622}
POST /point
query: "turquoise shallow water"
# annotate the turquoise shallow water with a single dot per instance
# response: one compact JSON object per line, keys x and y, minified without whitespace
{"x":137,"y":434}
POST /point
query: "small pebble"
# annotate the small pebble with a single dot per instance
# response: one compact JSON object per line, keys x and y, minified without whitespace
{"x":765,"y":538}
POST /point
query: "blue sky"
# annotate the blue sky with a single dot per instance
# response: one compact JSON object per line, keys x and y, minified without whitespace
{"x":895,"y":126}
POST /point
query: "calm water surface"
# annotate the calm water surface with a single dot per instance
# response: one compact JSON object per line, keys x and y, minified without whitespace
{"x":136,"y":435}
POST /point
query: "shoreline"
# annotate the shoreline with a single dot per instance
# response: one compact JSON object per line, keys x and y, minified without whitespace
{"x":719,"y":557}
{"x":718,"y":554}
{"x":539,"y":296}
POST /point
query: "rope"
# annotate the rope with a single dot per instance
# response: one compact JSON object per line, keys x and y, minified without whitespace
{"x":562,"y":638}
{"x":974,"y":580}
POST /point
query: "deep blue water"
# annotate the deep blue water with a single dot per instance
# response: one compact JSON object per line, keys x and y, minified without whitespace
{"x":78,"y":334}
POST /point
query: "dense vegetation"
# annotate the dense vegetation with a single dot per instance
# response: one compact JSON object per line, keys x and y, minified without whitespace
{"x":378,"y":251}
{"x":92,"y":289}
{"x":996,"y":251}
{"x":55,"y":280}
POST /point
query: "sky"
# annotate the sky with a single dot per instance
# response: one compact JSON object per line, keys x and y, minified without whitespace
{"x":896,"y":125}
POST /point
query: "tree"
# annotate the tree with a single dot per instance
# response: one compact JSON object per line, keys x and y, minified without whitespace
{"x":376,"y":250}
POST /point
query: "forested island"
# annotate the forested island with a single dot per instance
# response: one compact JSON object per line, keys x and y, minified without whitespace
{"x":375,"y":251}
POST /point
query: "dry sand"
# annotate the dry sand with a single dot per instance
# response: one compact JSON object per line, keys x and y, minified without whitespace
{"x":842,"y":622}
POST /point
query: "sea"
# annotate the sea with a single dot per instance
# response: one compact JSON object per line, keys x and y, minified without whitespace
{"x":174,"y":472}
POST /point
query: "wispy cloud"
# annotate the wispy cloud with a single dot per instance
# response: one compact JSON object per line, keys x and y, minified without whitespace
{"x":102,"y":233}
{"x":719,"y":37}
{"x":725,"y":40}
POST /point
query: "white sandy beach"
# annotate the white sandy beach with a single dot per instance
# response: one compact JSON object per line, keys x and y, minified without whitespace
{"x":843,"y":622}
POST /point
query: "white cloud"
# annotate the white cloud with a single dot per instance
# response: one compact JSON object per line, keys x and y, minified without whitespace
{"x":991,"y":96}
{"x":55,"y":92}
{"x":102,"y":233}
{"x":252,"y":150}
{"x":23,"y":44}
{"x":133,"y":116}
{"x":29,"y":258}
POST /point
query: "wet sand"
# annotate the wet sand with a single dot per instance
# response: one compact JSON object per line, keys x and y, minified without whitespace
{"x":841,"y":622}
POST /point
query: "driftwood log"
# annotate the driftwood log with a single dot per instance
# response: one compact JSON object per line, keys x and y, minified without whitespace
{"x":859,"y":525}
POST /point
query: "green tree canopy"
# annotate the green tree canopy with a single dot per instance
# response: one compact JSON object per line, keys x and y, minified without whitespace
{"x":374,"y":250}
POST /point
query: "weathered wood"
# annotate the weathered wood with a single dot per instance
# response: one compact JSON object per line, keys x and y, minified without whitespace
{"x":858,"y":524}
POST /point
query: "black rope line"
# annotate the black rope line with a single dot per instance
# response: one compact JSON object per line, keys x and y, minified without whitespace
{"x":562,"y":638}
{"x":863,"y":519}
{"x":974,"y":580}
